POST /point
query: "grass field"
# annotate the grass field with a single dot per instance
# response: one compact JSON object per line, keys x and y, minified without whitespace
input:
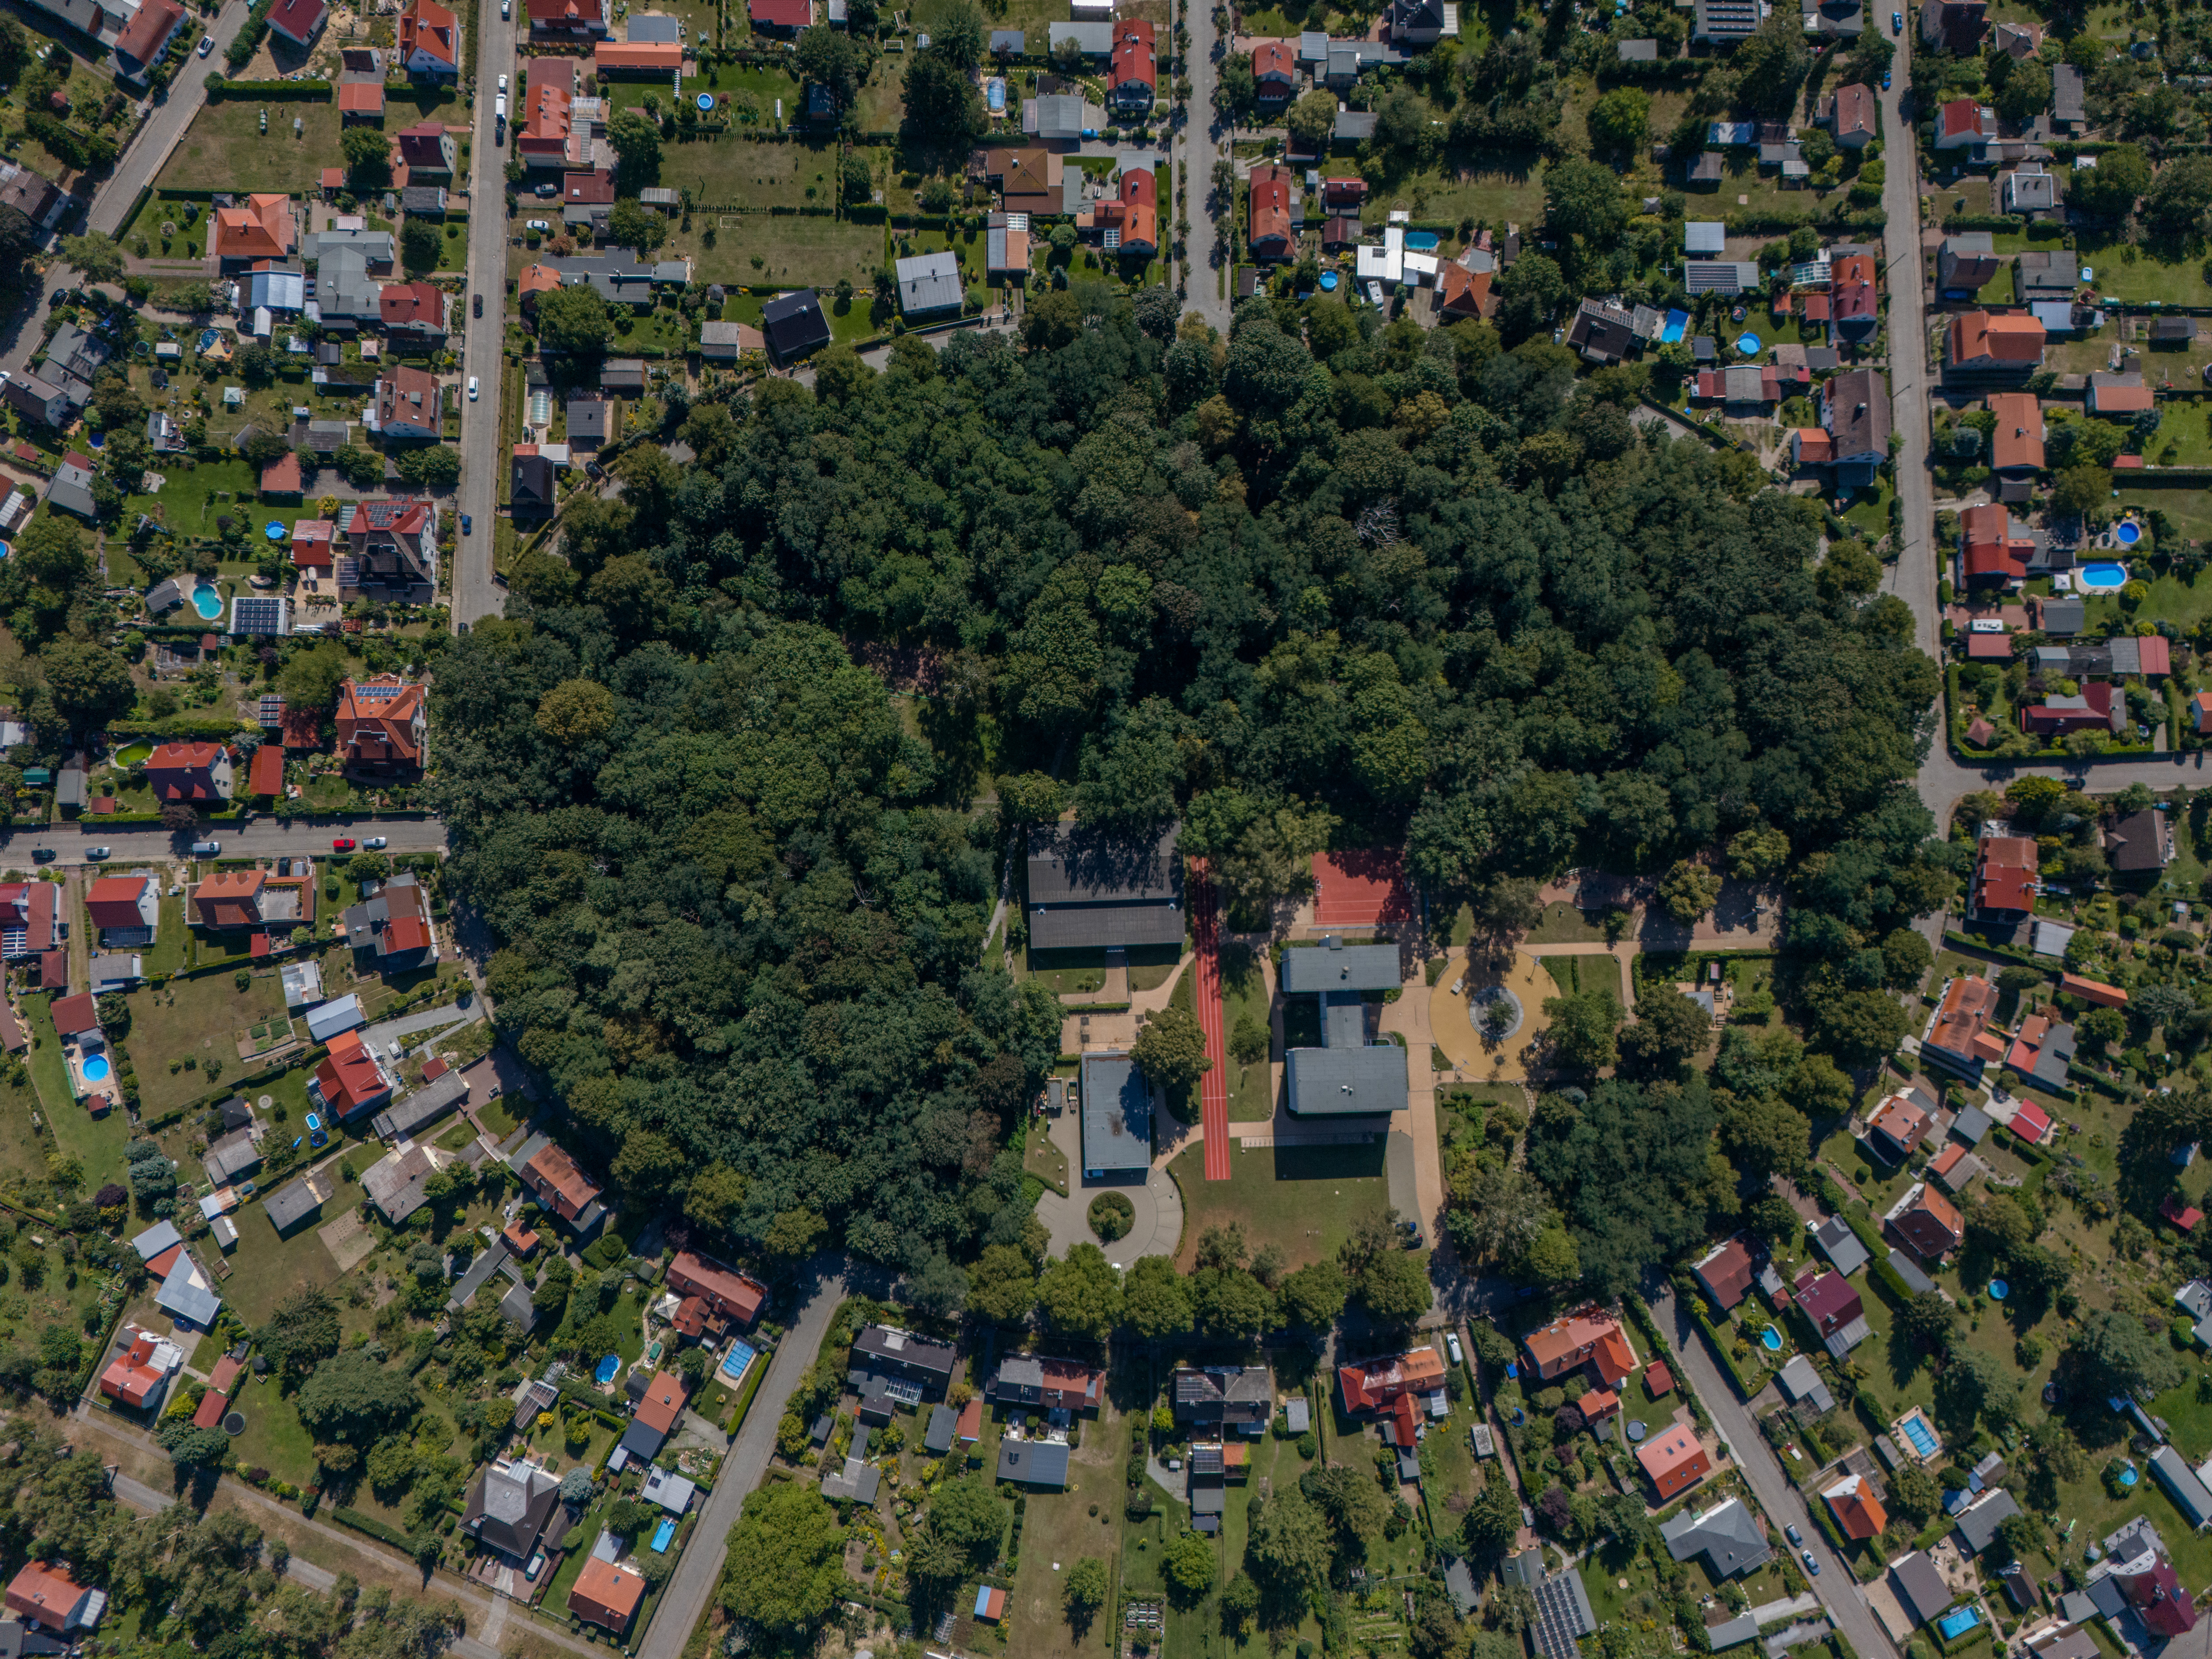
{"x":725,"y":173}
{"x":271,"y":1268}
{"x":97,"y":1143}
{"x":816,"y":252}
{"x":1058,"y":1530}
{"x":225,"y":149}
{"x":201,"y":1018}
{"x":1244,"y":996}
{"x":1302,"y":1199}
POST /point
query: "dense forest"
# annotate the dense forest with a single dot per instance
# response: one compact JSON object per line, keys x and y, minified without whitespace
{"x":1327,"y":582}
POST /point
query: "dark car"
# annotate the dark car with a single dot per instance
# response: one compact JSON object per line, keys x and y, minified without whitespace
{"x":466,"y":523}
{"x":42,"y":855}
{"x":479,"y":305}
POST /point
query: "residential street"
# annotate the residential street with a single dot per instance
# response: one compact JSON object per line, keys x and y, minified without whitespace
{"x":1202,"y":144}
{"x":1912,"y":577}
{"x":263,"y":838}
{"x":475,"y":595}
{"x":1837,"y":1590}
{"x":684,"y":1601}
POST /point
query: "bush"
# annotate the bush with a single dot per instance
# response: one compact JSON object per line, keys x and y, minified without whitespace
{"x":1112,"y":1215}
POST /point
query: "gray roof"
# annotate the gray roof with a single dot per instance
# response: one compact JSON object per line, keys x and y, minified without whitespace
{"x":670,"y":1491}
{"x":164,"y":595}
{"x":2066,"y":94}
{"x":1088,"y":890}
{"x":1091,"y":39}
{"x":930,"y":282}
{"x":1704,"y":236}
{"x":345,"y":289}
{"x":1117,"y":1115}
{"x":291,"y":1204}
{"x":2063,"y":616}
{"x":2181,"y":1484}
{"x":508,"y":1506}
{"x":326,"y":1020}
{"x":1033,"y":1462}
{"x":1840,"y":1245}
{"x":1977,"y":1523}
{"x":886,"y":1348}
{"x":1336,"y":966}
{"x":1526,"y":1569}
{"x":1915,"y":1281}
{"x":1060,"y":116}
{"x":395,"y":1183}
{"x":233,"y":1155}
{"x":1741,"y":1628}
{"x":655,"y":28}
{"x":938,"y":1436}
{"x":1458,"y":1585}
{"x":423,"y":1107}
{"x":517,"y":1305}
{"x":185,"y":1295}
{"x":374,"y":246}
{"x":1799,"y":1381}
{"x":588,"y":420}
{"x":856,"y":1483}
{"x":1728,"y":1535}
{"x":479,"y":1275}
{"x":1971,"y":1125}
{"x":1563,"y":1615}
{"x":1344,"y":1081}
{"x":1920,"y":1589}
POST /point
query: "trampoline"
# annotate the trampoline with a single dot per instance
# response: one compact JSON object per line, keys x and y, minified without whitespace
{"x":233,"y":1424}
{"x":95,"y":1068}
{"x":2127,"y":532}
{"x":2102,"y":577}
{"x":1636,"y":1430}
{"x":207,"y":599}
{"x":1999,"y":1289}
{"x":610,"y":1368}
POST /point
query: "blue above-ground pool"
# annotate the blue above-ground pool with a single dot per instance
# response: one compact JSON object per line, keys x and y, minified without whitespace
{"x":739,"y":1360}
{"x":662,"y":1534}
{"x":608,"y":1369}
{"x":207,"y":599}
{"x":1957,"y":1624}
{"x":994,"y":94}
{"x":2102,"y":577}
{"x":1999,"y":1289}
{"x":1747,"y":344}
{"x":95,"y":1068}
{"x":1327,"y":286}
{"x":2128,"y":1477}
{"x":2127,"y":532}
{"x":706,"y":101}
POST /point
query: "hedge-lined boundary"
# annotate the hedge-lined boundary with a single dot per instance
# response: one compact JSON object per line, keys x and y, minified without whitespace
{"x":299,"y":92}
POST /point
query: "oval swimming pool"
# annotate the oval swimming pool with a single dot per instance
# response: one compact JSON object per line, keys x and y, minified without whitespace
{"x":2102,"y":577}
{"x":207,"y":599}
{"x":1421,"y":241}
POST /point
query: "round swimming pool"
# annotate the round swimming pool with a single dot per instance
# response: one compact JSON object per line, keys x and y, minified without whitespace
{"x":1327,"y":286}
{"x":1999,"y":1289}
{"x":2127,"y":532}
{"x":95,"y":1068}
{"x":2102,"y":577}
{"x":1747,"y":344}
{"x":706,"y":101}
{"x":2128,"y":1477}
{"x":207,"y":599}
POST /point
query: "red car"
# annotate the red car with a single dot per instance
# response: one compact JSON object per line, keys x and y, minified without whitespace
{"x":342,"y":844}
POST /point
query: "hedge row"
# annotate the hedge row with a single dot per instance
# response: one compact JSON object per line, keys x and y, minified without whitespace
{"x":374,"y":1528}
{"x":275,"y":91}
{"x":1725,"y":1350}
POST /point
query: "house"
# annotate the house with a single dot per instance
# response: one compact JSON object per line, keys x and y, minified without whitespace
{"x":1998,"y":345}
{"x":2088,"y":990}
{"x":2118,"y":394}
{"x":2094,"y":708}
{"x":784,"y":17}
{"x":397,"y":1183}
{"x":127,"y":910}
{"x":1040,"y":1463}
{"x":429,"y":40}
{"x":1272,"y":237}
{"x":361,"y":100}
{"x":1226,"y":1397}
{"x":1460,"y":292}
{"x":1956,"y":1037}
{"x":2137,"y":1564}
{"x":1898,"y":1125}
{"x":36,"y":197}
{"x":1419,"y":23}
{"x":382,"y":727}
{"x":26,"y":919}
{"x":1956,"y":25}
{"x":531,"y":479}
{"x":1602,"y":333}
{"x":46,"y":1595}
{"x":2172,"y":333}
{"x":2140,"y":844}
{"x":297,"y":21}
{"x":1117,"y":1118}
{"x":654,"y":58}
{"x":427,"y":150}
{"x":1724,"y":23}
{"x":1393,"y":1388}
{"x":1831,"y":1307}
{"x":1275,"y":70}
{"x":725,"y":342}
{"x":250,"y":898}
{"x":1855,"y":117}
{"x":1726,"y":1273}
{"x":2068,"y":106}
{"x":794,"y":325}
{"x":138,"y":1376}
{"x":2005,"y":878}
{"x":215,"y":1404}
{"x":929,"y":282}
{"x":1031,"y":180}
{"x":1673,"y":1460}
{"x":1346,"y":1075}
{"x":1563,"y":1616}
{"x":1842,"y":1246}
{"x":71,"y":488}
{"x":2182,"y":1485}
{"x":1128,"y":223}
{"x":566,"y":20}
{"x":725,"y":1298}
{"x":390,"y":547}
{"x":1131,"y":79}
{"x":658,"y":1404}
{"x":905,"y":1364}
{"x":1954,"y":1167}
{"x":1921,"y":1590}
{"x":1978,"y":1522}
{"x":1927,"y":1221}
{"x":1005,"y":251}
{"x":191,"y":772}
{"x":2016,"y":445}
{"x":1966,"y":262}
{"x":1799,"y":1382}
{"x":1589,"y":1335}
{"x":1089,"y":891}
{"x":233,"y":1159}
{"x":607,"y":1595}
{"x":559,"y":1185}
{"x":1857,"y":313}
{"x":352,"y":1079}
{"x":262,"y":229}
{"x":1729,"y":1536}
{"x":508,"y":1507}
{"x":145,"y":38}
{"x":406,"y":404}
{"x":414,"y":312}
{"x":1857,"y":1510}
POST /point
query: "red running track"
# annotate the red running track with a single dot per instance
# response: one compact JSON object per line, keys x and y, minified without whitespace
{"x":1213,"y":1087}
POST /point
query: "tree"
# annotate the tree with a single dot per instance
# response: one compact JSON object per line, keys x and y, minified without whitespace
{"x":431,"y":466}
{"x":1493,"y":1521}
{"x":1170,"y":1050}
{"x":1976,"y":1384}
{"x":1394,"y":1288}
{"x":1002,"y":1286}
{"x":351,"y":1397}
{"x":2179,"y":196}
{"x":1080,"y":1294}
{"x":1770,"y":65}
{"x":90,"y":684}
{"x":2081,"y":491}
{"x":1086,"y":1592}
{"x":420,"y":245}
{"x":1582,"y":198}
{"x":1155,"y":1302}
{"x":967,"y":1515}
{"x":2025,"y":93}
{"x":2117,"y":1355}
{"x":367,"y":155}
{"x":576,"y":711}
{"x":1689,"y":892}
{"x":2110,"y":189}
{"x":310,"y":679}
{"x":1313,"y":1296}
{"x":859,"y":183}
{"x":1757,"y":853}
{"x":94,"y":257}
{"x":1621,"y":121}
{"x":1312,"y":120}
{"x":574,"y":318}
{"x":1669,"y":1029}
{"x":785,"y":1567}
{"x":1582,"y":1029}
{"x":1188,"y":1566}
{"x":631,"y":224}
{"x":941,"y":96}
{"x":635,"y":136}
{"x":833,"y":58}
{"x":1930,"y":1319}
{"x":1286,"y":1548}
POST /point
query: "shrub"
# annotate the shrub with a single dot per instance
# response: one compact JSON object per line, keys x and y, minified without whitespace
{"x":1112,"y":1215}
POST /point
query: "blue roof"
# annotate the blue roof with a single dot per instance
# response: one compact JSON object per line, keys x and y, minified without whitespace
{"x":326,"y":1021}
{"x":982,"y":1599}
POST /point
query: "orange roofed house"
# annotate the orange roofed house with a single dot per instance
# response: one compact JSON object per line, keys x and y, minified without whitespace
{"x":139,"y":1375}
{"x":1271,"y":235}
{"x":429,"y":40}
{"x":2004,"y":878}
{"x":1958,"y":1037}
{"x":607,"y":1595}
{"x":1856,"y":1510}
{"x":382,"y":726}
{"x":1674,"y":1460}
{"x":189,"y":772}
{"x":351,"y":1079}
{"x":2016,"y":445}
{"x":714,"y":1297}
{"x":254,"y":898}
{"x":1898,"y":1125}
{"x":262,"y":229}
{"x":1588,"y":1336}
{"x":1392,"y":1387}
{"x":2003,"y":346}
{"x":1927,"y":1221}
{"x":125,"y":908}
{"x":46,"y":1595}
{"x":563,"y":1187}
{"x":1130,"y":222}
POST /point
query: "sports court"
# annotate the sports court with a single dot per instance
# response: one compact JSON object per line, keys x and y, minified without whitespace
{"x":1361,"y":889}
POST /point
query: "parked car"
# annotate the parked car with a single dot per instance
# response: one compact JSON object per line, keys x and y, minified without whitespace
{"x":1897,"y":22}
{"x":502,"y":84}
{"x":97,"y":854}
{"x":472,"y":388}
{"x":467,"y":525}
{"x":342,"y":843}
{"x":1451,"y":1342}
{"x":1794,"y":1535}
{"x":1884,"y":80}
{"x":537,"y":225}
{"x":1811,"y":1565}
{"x":207,"y":44}
{"x":548,"y":190}
{"x":42,"y":855}
{"x":376,"y":843}
{"x":479,"y":305}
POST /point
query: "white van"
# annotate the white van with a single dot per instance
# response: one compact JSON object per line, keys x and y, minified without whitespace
{"x":206,"y":849}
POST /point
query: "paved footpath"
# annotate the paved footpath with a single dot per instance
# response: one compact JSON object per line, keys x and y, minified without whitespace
{"x":1213,"y":1087}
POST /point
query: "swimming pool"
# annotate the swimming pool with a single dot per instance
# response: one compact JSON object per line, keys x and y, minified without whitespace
{"x":1771,"y":1339}
{"x":1327,"y":286}
{"x":1678,"y":326}
{"x":662,"y":1534}
{"x":1421,"y":241}
{"x":608,"y":1369}
{"x":1999,"y":1289}
{"x":2128,"y":1477}
{"x":1747,"y":344}
{"x":207,"y":599}
{"x":706,"y":101}
{"x":2127,"y":532}
{"x":1955,"y":1625}
{"x":2102,"y":577}
{"x":994,"y":94}
{"x":739,"y":1360}
{"x":1915,"y":1428}
{"x":95,"y":1068}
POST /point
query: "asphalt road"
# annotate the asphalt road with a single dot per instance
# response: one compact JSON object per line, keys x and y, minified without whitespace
{"x":684,"y":1601}
{"x":1206,"y":258}
{"x":265,"y":838}
{"x":1837,"y":1588}
{"x":134,"y":170}
{"x":1912,"y":577}
{"x":475,"y":595}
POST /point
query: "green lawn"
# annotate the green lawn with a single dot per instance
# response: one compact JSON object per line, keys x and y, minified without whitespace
{"x":224,"y":149}
{"x":790,"y":249}
{"x":97,"y":1143}
{"x":1304,"y":1199}
{"x":22,"y":1149}
{"x":202,"y":1019}
{"x":167,"y":953}
{"x":274,"y":1439}
{"x":1244,"y":996}
{"x":1562,"y":924}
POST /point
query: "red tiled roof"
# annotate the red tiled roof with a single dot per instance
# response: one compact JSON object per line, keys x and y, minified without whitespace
{"x":360,"y":97}
{"x":663,"y":1402}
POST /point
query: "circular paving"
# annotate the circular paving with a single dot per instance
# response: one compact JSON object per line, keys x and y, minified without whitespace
{"x":1466,"y":986}
{"x":1489,"y":1025}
